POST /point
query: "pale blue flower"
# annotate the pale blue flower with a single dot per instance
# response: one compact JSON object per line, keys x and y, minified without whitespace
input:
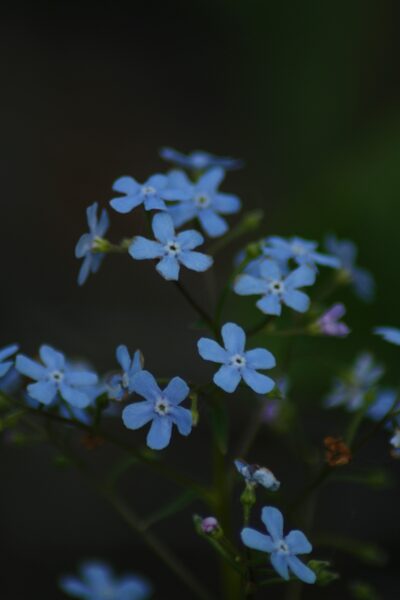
{"x":98,"y":582}
{"x":237,"y":363}
{"x":303,"y":252}
{"x":122,"y":383}
{"x":389,"y":334}
{"x":199,"y":160}
{"x":276,"y":288}
{"x":346,"y":251}
{"x":161,"y":408}
{"x":386,"y":400}
{"x":256,"y":475}
{"x":171,"y":249}
{"x":152,"y":194}
{"x":283,"y":550}
{"x":329,"y":322}
{"x":205,"y":202}
{"x":5,"y":354}
{"x":55,"y":377}
{"x":86,"y":246}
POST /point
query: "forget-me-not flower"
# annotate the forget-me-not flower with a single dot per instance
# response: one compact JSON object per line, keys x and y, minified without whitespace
{"x":122,"y":383}
{"x":386,"y":400}
{"x":237,"y":363}
{"x":98,"y":582}
{"x":5,"y":354}
{"x":362,"y":280}
{"x":152,"y":194}
{"x":276,"y":288}
{"x":352,"y":388}
{"x":329,"y":322}
{"x":389,"y":334}
{"x":303,"y":252}
{"x":161,"y":408}
{"x":283,"y":550}
{"x":54,"y":377}
{"x":205,"y":202}
{"x":256,"y":475}
{"x":172,"y":249}
{"x":86,"y":246}
{"x":199,"y":160}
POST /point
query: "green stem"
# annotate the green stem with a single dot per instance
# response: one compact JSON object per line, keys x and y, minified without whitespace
{"x":197,"y":308}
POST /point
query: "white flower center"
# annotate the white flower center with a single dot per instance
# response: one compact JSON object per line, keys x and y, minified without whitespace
{"x":57,"y":376}
{"x":162,"y":407}
{"x":282,"y":547}
{"x":147,"y":190}
{"x":202,"y":200}
{"x":172,"y":247}
{"x":276,"y":286}
{"x":238,"y":361}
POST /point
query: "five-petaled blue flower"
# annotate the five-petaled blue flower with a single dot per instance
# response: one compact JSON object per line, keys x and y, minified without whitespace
{"x":171,"y":248}
{"x":351,"y":390}
{"x":56,"y":376}
{"x":362,"y":280}
{"x":303,"y":252}
{"x":205,"y":202}
{"x":6,"y":353}
{"x":276,"y":288}
{"x":86,"y":246}
{"x":161,"y":407}
{"x":389,"y":334}
{"x":152,"y":194}
{"x":199,"y":160}
{"x":237,"y":364}
{"x":283,"y":550}
{"x":122,"y":383}
{"x":98,"y":582}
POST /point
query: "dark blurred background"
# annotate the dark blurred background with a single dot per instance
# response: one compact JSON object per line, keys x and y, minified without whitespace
{"x":308,"y":94}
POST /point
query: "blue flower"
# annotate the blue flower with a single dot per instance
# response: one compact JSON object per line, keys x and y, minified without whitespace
{"x":86,"y":246}
{"x":6,"y":353}
{"x":390,"y":334}
{"x":205,"y":202}
{"x":361,"y":279}
{"x":151,"y":194}
{"x":161,"y":407}
{"x":386,"y":400}
{"x":56,"y":377}
{"x":276,"y":288}
{"x":237,"y":364}
{"x":98,"y":582}
{"x":303,"y":252}
{"x":329,"y":322}
{"x":256,"y":475}
{"x":199,"y":160}
{"x":122,"y":383}
{"x":283,"y":550}
{"x":172,"y":249}
{"x":351,"y":390}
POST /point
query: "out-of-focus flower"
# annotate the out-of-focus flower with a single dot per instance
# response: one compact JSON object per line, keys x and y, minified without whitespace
{"x":346,"y":251}
{"x":329,"y":323}
{"x":395,"y":442}
{"x":206,"y":203}
{"x":122,"y":383}
{"x":98,"y":582}
{"x":303,"y":252}
{"x":5,"y":354}
{"x":386,"y":400}
{"x":337,"y":453}
{"x":152,"y":194}
{"x":389,"y":334}
{"x":237,"y":363}
{"x":352,"y":388}
{"x":276,"y":288}
{"x":209,"y":525}
{"x":161,"y":407}
{"x":86,"y":246}
{"x":283,"y":550}
{"x":172,"y":249}
{"x":199,"y":160}
{"x":54,"y":377}
{"x":256,"y":475}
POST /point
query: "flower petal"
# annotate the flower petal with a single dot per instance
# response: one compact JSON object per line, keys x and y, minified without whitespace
{"x":270,"y":304}
{"x":273,"y":521}
{"x":257,"y":541}
{"x":260,"y":358}
{"x":297,"y":300}
{"x":84,"y":245}
{"x":126,"y":185}
{"x":247,"y":285}
{"x":142,"y":248}
{"x":280,"y":564}
{"x":227,"y":378}
{"x":85,"y":269}
{"x":8,"y":351}
{"x":73,"y":396}
{"x":163,"y":227}
{"x":51,"y":358}
{"x":168,"y":267}
{"x":137,"y":414}
{"x":81,"y":378}
{"x":300,"y":277}
{"x":159,"y":435}
{"x":234,"y":338}
{"x":261,"y":384}
{"x":211,"y":350}
{"x":133,"y":588}
{"x":301,"y":571}
{"x":30,"y":367}
{"x":213,"y":224}
{"x":145,"y":385}
{"x":189,"y":239}
{"x":298,"y":543}
{"x":176,"y":391}
{"x":196,"y":261}
{"x":182,"y":213}
{"x":182,"y":417}
{"x":125,"y":204}
{"x":73,"y":587}
{"x":226,"y":204}
{"x":269,"y":269}
{"x":43,"y":391}
{"x":211,"y":180}
{"x":123,"y":357}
